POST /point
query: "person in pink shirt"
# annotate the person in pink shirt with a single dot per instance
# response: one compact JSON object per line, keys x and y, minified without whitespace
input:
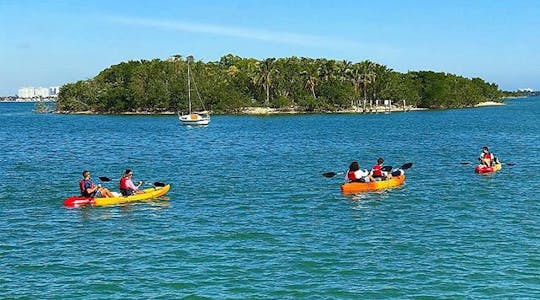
{"x":127,"y":187}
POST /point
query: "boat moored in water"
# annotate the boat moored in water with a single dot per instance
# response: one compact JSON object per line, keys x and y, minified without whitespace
{"x":193,"y":118}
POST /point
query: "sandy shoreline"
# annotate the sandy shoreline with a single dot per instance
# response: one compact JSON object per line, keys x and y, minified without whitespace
{"x":374,"y":109}
{"x":268,"y":111}
{"x":489,"y":103}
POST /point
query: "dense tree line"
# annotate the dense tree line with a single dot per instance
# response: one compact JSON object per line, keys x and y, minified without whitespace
{"x":232,"y":83}
{"x":521,"y":93}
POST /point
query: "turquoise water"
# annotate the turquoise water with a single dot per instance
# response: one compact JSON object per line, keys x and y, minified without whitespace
{"x":250,"y":215}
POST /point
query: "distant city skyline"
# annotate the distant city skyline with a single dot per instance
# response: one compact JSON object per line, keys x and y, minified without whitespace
{"x":65,"y":41}
{"x":38,"y":92}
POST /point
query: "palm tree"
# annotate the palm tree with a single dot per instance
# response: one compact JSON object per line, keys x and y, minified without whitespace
{"x":311,"y":82}
{"x":380,"y":80}
{"x":263,"y":76}
{"x":326,"y":69}
{"x":354,"y":74}
{"x":368,"y":76}
{"x":176,"y":59}
{"x":342,"y":69}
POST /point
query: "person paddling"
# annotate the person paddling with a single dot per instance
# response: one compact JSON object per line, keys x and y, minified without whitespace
{"x":89,"y":189}
{"x":487,"y":158}
{"x":354,"y":174}
{"x":127,"y":187}
{"x":377,"y":170}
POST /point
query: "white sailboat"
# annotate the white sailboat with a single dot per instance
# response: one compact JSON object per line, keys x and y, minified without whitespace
{"x":193,"y":118}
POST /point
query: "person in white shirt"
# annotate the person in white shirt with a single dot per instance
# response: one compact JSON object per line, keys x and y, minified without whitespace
{"x":354,"y":174}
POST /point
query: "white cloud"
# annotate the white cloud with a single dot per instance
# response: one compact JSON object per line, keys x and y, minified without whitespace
{"x":238,"y":32}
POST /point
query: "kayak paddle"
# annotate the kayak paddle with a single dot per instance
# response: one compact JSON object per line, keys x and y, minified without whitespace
{"x":107,"y":179}
{"x":385,"y":169}
{"x":331,"y":174}
{"x":406,"y":166}
{"x":503,"y":163}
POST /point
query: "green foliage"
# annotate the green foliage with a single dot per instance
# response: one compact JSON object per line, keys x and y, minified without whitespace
{"x":233,"y":82}
{"x":337,"y":93}
{"x":442,"y":90}
{"x":282,"y":102}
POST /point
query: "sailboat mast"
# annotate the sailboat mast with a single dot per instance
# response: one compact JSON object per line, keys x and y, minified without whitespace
{"x":190,"y":58}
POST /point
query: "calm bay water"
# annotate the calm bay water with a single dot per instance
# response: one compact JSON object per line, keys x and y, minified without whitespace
{"x":250,"y":215}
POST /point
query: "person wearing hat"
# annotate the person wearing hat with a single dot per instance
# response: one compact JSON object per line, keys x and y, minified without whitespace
{"x":487,"y":158}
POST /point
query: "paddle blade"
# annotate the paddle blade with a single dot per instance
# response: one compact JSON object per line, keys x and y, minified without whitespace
{"x":465,"y":162}
{"x":103,"y":178}
{"x":406,"y":166}
{"x":159,"y":184}
{"x":387,"y":168}
{"x":329,"y":174}
{"x":397,"y":173}
{"x":509,"y":164}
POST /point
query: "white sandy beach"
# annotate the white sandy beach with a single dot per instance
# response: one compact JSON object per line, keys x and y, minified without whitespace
{"x":489,"y":103}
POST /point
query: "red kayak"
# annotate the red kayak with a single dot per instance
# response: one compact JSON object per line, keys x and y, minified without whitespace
{"x":482,"y":169}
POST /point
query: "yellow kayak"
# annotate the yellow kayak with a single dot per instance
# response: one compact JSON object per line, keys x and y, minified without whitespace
{"x":147,"y":194}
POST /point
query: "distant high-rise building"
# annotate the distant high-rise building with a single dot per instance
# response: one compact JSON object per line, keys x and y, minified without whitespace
{"x":39,"y":92}
{"x":54,"y":90}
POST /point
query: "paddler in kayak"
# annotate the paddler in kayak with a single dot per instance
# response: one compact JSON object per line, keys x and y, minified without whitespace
{"x":89,"y":189}
{"x":127,"y":187}
{"x":354,"y":174}
{"x":377,"y":171}
{"x":487,"y":158}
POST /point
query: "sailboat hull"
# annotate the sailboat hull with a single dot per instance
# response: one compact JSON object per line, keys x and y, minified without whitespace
{"x":194,"y":119}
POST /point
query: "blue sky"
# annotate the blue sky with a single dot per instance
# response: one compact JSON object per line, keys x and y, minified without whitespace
{"x":53,"y":42}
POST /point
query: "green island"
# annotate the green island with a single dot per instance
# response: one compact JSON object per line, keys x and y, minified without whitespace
{"x":236,"y":85}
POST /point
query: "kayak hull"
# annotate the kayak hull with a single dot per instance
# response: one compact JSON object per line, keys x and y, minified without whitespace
{"x":359,"y":187}
{"x":147,"y":194}
{"x":481,"y":169}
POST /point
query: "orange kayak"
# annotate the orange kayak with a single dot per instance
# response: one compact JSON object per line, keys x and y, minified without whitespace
{"x":358,"y":187}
